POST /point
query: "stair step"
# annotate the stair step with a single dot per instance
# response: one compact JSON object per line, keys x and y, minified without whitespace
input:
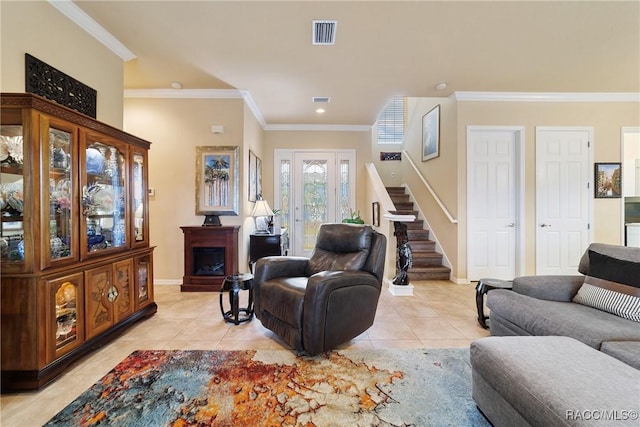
{"x":422,"y":245}
{"x":417,"y":234}
{"x":429,"y":273}
{"x":418,"y":224}
{"x":395,"y":190}
{"x":427,"y":259}
{"x":399,"y":197}
{"x":401,"y":206}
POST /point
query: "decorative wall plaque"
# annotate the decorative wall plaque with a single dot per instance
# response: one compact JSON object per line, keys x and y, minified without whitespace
{"x":51,"y":83}
{"x":390,"y":156}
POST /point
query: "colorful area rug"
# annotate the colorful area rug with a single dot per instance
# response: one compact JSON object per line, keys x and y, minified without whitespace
{"x":276,"y":388}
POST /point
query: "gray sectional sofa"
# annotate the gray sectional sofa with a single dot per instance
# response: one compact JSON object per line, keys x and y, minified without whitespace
{"x":561,"y":354}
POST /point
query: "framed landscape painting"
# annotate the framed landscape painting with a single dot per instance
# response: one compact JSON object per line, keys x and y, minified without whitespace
{"x":608,"y":178}
{"x":431,"y":134}
{"x":217,"y":180}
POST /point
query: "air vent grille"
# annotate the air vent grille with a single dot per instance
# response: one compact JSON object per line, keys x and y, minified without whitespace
{"x":324,"y":32}
{"x":321,"y":99}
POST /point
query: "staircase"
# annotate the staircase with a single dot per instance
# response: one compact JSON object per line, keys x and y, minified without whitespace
{"x":427,"y":263}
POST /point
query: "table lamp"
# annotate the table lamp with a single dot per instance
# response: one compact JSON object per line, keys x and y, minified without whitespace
{"x":262,"y":210}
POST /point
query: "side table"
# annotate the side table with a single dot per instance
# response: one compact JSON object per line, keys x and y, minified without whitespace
{"x":233,"y":285}
{"x":484,"y":286}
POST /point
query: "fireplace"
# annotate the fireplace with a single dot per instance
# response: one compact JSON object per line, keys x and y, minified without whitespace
{"x":210,"y":254}
{"x":208,"y":262}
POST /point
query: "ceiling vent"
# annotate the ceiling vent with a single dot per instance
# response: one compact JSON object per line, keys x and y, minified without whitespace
{"x":324,"y":32}
{"x":320,"y":99}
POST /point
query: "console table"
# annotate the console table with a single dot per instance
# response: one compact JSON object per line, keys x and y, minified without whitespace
{"x":210,"y":254}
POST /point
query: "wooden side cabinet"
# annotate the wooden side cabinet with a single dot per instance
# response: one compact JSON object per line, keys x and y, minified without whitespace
{"x":262,"y":245}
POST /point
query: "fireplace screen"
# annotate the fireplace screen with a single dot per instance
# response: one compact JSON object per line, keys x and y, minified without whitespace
{"x":208,"y":261}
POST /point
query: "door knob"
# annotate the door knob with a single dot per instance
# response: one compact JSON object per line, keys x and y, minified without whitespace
{"x":513,"y":224}
{"x":545,"y":225}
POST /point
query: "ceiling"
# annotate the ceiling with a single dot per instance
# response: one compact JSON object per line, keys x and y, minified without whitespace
{"x":382,"y":49}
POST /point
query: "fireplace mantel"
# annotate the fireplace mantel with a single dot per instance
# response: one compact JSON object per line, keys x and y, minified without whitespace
{"x":204,"y":249}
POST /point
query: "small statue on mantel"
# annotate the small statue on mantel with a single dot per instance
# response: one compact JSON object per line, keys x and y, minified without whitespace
{"x":404,"y":257}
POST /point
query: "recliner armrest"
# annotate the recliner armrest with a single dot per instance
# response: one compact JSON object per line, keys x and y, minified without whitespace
{"x":280,"y":266}
{"x":553,"y":288}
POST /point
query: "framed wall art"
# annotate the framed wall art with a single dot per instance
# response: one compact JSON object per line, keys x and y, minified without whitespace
{"x":217,"y":174}
{"x":608,"y":178}
{"x":431,"y":134}
{"x":375,"y":214}
{"x":253,"y":181}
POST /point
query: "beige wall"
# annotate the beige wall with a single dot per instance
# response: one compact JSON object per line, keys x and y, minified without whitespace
{"x":175,"y":128}
{"x":447,"y":173}
{"x":324,"y":140}
{"x":37,"y":28}
{"x":605,"y":118}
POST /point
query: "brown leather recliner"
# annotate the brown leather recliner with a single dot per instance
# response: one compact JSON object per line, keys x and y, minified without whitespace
{"x":315,"y":304}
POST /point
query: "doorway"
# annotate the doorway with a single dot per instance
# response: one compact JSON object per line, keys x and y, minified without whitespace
{"x":563,"y":198}
{"x":494,"y":202}
{"x":313,"y":187}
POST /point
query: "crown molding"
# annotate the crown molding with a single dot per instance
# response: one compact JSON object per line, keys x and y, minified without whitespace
{"x":84,"y":21}
{"x":329,"y":128}
{"x":184,"y":93}
{"x":547,"y":96}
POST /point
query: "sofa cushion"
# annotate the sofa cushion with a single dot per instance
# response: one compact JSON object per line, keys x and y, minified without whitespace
{"x":613,"y":285}
{"x":625,"y":351}
{"x":340,"y":247}
{"x":551,"y":381}
{"x":615,"y":251}
{"x":541,"y":317}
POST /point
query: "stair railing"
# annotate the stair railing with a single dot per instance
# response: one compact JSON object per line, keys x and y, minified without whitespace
{"x":431,"y":191}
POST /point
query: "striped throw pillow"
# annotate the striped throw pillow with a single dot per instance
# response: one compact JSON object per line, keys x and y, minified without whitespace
{"x":612,"y":285}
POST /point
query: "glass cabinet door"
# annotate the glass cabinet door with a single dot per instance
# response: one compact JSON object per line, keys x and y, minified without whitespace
{"x":140,"y":199}
{"x":104,"y":196}
{"x":143,"y":280}
{"x":66,"y":330}
{"x":12,"y":250}
{"x":59,"y":204}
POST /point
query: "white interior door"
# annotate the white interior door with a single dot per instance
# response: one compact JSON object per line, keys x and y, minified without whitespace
{"x":563,"y":198}
{"x":492,"y":202}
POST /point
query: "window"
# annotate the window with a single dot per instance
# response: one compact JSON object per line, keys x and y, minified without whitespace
{"x":392,"y":122}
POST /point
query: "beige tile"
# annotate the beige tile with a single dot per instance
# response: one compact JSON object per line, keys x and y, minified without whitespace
{"x":440,"y":314}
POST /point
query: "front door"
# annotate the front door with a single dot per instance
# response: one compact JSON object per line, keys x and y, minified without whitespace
{"x":563,"y":194}
{"x":492,"y":202}
{"x":319,"y":188}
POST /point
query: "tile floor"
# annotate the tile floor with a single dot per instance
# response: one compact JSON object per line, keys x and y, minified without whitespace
{"x":439,"y":314}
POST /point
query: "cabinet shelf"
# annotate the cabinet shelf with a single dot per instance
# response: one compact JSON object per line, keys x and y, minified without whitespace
{"x":11,"y":169}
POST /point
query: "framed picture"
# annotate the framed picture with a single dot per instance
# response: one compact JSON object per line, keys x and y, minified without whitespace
{"x":608,"y":180}
{"x":252,"y":176}
{"x":217,"y":180}
{"x":375,"y":214}
{"x":259,"y":177}
{"x":431,"y":134}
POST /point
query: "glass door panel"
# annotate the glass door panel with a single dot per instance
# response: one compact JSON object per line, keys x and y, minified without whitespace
{"x":11,"y":193}
{"x":143,"y":276}
{"x":66,"y":330}
{"x":58,"y":236}
{"x":104,"y":197}
{"x":139,"y":208}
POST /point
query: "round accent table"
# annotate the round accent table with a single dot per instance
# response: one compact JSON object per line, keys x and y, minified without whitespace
{"x":484,"y":286}
{"x":233,"y":285}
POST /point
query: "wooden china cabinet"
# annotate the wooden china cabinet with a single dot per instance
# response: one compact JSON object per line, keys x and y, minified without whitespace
{"x":77,"y":268}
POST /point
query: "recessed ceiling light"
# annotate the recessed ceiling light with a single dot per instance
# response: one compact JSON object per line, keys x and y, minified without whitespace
{"x":176,"y":85}
{"x":320,"y":110}
{"x":441,"y":86}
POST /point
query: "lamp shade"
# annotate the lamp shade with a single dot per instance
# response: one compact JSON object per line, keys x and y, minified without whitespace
{"x":262,"y":209}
